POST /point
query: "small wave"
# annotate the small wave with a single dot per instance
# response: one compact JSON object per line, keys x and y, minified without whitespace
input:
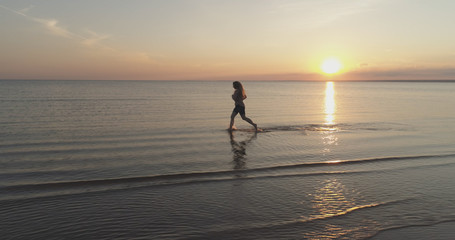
{"x":53,"y":189}
{"x":274,"y":226}
{"x":352,"y":209}
{"x":371,"y":126}
{"x":198,"y":177}
{"x":307,"y":127}
{"x":410,"y":226}
{"x":17,"y":146}
{"x":347,"y":211}
{"x":295,"y":128}
{"x":354,"y":161}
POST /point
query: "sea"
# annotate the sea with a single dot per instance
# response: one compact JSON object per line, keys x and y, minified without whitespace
{"x":154,"y":159}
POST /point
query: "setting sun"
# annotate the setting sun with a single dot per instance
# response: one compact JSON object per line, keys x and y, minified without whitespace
{"x":331,"y":65}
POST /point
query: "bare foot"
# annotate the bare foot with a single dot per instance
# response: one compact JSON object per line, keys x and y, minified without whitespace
{"x":232,"y":129}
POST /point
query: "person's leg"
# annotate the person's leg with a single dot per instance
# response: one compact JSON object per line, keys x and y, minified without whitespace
{"x":234,"y":113}
{"x":249,"y":121}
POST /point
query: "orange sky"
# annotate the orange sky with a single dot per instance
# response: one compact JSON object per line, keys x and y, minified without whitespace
{"x":225,"y":40}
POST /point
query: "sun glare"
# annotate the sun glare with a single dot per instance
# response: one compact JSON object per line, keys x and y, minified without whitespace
{"x":331,"y":66}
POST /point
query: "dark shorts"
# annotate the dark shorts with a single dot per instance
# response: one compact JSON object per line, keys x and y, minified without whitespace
{"x":239,"y":109}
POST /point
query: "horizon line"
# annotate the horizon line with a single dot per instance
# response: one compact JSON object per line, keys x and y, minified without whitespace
{"x":245,"y":80}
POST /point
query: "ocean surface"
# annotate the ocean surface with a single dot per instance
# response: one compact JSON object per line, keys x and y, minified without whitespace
{"x":153,"y":159}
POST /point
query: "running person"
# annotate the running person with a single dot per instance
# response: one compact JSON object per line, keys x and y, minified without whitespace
{"x":238,"y":97}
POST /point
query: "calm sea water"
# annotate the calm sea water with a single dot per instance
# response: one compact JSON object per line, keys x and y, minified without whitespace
{"x":153,"y":160}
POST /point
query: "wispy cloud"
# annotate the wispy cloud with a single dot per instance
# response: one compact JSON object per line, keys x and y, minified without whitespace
{"x":89,"y":38}
{"x":49,"y":24}
{"x":268,"y":77}
{"x":95,"y":38}
{"x":53,"y":26}
{"x":27,"y":9}
{"x":402,"y":74}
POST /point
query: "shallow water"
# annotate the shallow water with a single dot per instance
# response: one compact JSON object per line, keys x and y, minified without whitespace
{"x":152,"y":160}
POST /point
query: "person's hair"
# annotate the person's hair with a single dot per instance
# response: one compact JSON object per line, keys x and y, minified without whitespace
{"x":238,"y":86}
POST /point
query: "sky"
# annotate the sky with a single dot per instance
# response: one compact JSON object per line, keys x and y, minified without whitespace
{"x":227,"y":39}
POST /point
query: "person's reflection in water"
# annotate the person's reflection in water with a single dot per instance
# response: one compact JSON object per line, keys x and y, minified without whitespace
{"x":239,"y":150}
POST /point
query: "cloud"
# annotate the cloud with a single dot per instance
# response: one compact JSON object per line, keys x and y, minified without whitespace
{"x":269,"y":77}
{"x":403,"y":74}
{"x":27,"y":9}
{"x":94,"y":39}
{"x":49,"y":24}
{"x":53,"y":26}
{"x":90,"y":39}
{"x":359,"y":75}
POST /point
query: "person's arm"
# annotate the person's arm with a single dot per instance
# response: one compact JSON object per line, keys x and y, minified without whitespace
{"x":235,"y":96}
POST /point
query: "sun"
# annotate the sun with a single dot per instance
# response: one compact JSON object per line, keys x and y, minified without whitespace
{"x":331,"y":66}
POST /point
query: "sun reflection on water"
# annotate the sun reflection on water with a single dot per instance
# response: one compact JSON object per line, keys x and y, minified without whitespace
{"x":330,"y":105}
{"x":330,"y":199}
{"x":334,"y":199}
{"x":330,"y":127}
